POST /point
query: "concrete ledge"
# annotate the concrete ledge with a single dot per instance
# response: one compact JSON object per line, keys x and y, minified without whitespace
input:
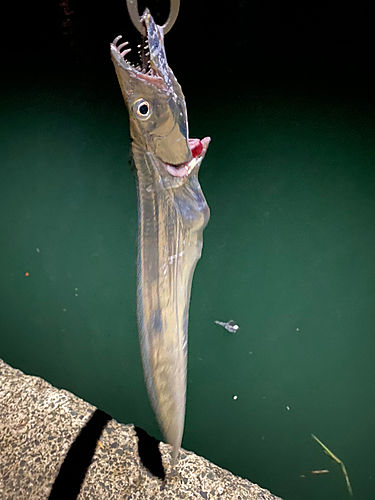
{"x":39,"y":423}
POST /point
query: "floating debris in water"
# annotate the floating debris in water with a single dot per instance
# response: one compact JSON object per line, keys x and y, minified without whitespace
{"x":342,"y":465}
{"x":322,"y":471}
{"x":230,"y":325}
{"x":235,"y":397}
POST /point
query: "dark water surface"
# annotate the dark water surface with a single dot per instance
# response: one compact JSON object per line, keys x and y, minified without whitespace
{"x":288,"y":254}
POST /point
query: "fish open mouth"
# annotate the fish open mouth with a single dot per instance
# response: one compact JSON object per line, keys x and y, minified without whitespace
{"x":152,"y":65}
{"x":147,"y":71}
{"x":152,"y":68}
{"x":143,"y":69}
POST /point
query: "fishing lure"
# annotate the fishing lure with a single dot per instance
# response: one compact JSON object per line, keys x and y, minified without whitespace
{"x":172,"y":213}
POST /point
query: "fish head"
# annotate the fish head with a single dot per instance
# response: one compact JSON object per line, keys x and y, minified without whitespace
{"x":156,"y":104}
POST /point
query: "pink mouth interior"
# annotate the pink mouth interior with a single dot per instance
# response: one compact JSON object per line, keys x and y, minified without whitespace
{"x":196,"y":146}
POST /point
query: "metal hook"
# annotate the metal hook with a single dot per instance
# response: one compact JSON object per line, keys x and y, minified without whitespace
{"x":136,"y":18}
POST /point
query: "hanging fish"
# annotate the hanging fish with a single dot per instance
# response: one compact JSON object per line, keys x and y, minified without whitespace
{"x":172,"y":213}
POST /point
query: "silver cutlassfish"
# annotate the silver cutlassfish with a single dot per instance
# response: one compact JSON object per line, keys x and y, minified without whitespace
{"x":172,"y":215}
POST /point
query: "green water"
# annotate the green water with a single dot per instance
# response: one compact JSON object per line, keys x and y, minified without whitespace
{"x":288,"y":254}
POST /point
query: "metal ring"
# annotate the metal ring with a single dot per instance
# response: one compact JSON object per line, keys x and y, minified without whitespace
{"x":136,"y":18}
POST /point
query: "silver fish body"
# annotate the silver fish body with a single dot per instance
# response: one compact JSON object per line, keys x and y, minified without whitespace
{"x":172,"y":214}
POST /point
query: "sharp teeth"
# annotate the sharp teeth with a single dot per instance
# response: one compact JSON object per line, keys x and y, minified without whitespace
{"x":145,"y":51}
{"x":122,"y":45}
{"x":124,"y":52}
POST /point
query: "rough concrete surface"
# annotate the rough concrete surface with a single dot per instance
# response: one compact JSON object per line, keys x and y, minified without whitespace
{"x":39,"y":423}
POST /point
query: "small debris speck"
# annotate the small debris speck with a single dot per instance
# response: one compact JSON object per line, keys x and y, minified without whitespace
{"x":235,"y":397}
{"x":230,"y":325}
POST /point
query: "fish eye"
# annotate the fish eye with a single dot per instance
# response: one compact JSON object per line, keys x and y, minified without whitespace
{"x":142,"y":109}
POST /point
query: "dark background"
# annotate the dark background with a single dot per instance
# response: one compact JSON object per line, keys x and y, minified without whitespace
{"x":285,"y":90}
{"x":317,"y":45}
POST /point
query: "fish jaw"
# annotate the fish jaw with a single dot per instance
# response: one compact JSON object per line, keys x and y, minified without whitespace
{"x":164,"y":132}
